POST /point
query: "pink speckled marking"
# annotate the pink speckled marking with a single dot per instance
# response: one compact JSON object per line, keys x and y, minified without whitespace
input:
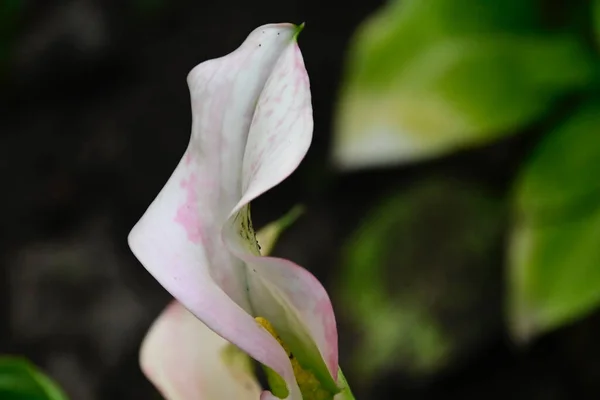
{"x":299,"y":61}
{"x":279,"y":123}
{"x":187,"y":214}
{"x":299,"y":66}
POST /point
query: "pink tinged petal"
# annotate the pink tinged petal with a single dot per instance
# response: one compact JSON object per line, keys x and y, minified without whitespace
{"x":300,"y":310}
{"x":282,"y":127}
{"x":287,"y":295}
{"x":185,"y":360}
{"x":206,"y":184}
{"x":268,"y":396}
{"x":297,"y":306}
{"x":178,"y":239}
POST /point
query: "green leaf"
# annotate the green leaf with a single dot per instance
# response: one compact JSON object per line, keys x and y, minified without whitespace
{"x":559,"y":178}
{"x":553,"y":254}
{"x":11,"y":12}
{"x":21,"y":380}
{"x":596,"y":19}
{"x":423,"y":79}
{"x":419,"y":277}
{"x":345,"y":391}
{"x":268,"y":235}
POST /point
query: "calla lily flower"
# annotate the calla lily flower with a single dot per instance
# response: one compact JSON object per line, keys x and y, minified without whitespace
{"x":251,"y":127}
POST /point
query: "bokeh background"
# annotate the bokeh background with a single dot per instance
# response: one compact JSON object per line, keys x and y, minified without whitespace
{"x":94,"y":115}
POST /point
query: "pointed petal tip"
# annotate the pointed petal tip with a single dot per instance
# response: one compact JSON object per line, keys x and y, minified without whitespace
{"x":298,"y":29}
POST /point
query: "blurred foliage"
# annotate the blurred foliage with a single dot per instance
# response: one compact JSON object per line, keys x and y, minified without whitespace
{"x":21,"y":380}
{"x":555,"y":262}
{"x":10,"y":13}
{"x":427,"y":77}
{"x":420,"y":272}
{"x":148,"y":7}
{"x":596,"y":14}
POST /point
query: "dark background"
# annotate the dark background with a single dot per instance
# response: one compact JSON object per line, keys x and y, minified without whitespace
{"x":94,"y":115}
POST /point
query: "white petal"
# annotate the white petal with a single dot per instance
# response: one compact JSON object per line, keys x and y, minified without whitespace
{"x":186,"y":360}
{"x":179,"y":238}
{"x":287,"y":295}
